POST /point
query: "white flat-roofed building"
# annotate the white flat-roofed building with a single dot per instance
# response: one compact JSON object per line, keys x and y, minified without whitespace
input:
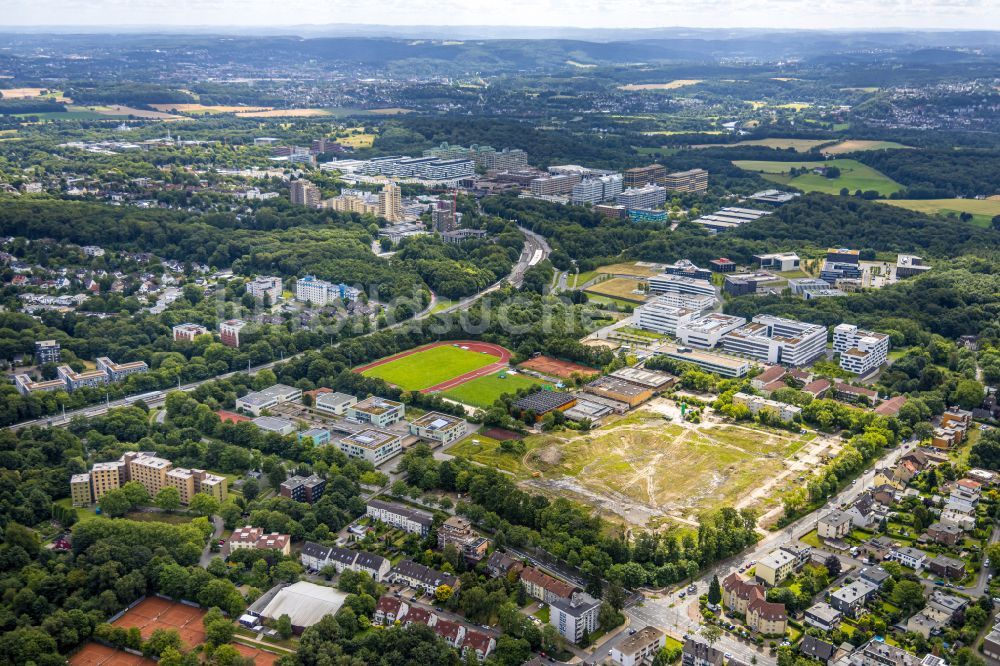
{"x":334,"y":403}
{"x":258,"y":401}
{"x":687,"y":301}
{"x":26,"y":385}
{"x":705,"y":332}
{"x":773,"y":339}
{"x":680,"y":284}
{"x":657,"y":316}
{"x":860,"y":351}
{"x":265,"y":285}
{"x":74,"y":380}
{"x":375,"y":446}
{"x":756,"y":404}
{"x":274,"y":424}
{"x":380,"y":412}
{"x":719,"y":364}
{"x":641,"y":646}
{"x":310,"y":289}
{"x":439,"y":427}
{"x":648,"y":196}
{"x":779,"y":261}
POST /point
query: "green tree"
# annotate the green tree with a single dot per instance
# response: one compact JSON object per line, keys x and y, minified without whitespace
{"x":168,"y":499}
{"x":714,"y":591}
{"x":115,"y":503}
{"x":204,"y":504}
{"x":908,"y":595}
{"x":284,"y":626}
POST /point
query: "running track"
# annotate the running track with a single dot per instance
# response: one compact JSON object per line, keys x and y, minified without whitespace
{"x":493,"y":350}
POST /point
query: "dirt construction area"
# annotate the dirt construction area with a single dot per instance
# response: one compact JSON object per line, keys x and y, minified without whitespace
{"x":553,"y":367}
{"x":650,"y":467}
{"x":154,"y":613}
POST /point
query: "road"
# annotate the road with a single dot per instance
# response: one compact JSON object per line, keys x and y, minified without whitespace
{"x":207,"y":554}
{"x":535,"y":251}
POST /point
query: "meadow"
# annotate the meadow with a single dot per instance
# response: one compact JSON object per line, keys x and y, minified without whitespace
{"x":983,"y":210}
{"x":853,"y":175}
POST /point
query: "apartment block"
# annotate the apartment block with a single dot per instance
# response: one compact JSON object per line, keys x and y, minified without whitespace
{"x":188,"y":332}
{"x":229,"y":332}
{"x":47,"y":351}
{"x":304,"y":193}
{"x":306,"y":489}
{"x":26,"y":385}
{"x":458,"y":531}
{"x":88,"y":378}
{"x":554,"y":185}
{"x":320,"y":293}
{"x":773,"y":340}
{"x":107,"y":476}
{"x":400,"y":516}
{"x":79,"y":489}
{"x":641,"y":176}
{"x":756,"y":404}
{"x":265,"y":285}
{"x":860,"y":351}
{"x":117,"y":372}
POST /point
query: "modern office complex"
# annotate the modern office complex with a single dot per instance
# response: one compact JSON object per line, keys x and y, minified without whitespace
{"x":693,"y":180}
{"x":779,"y":261}
{"x":656,"y":315}
{"x":730,"y":217}
{"x":720,"y":364}
{"x":554,"y":185}
{"x":379,"y":412}
{"x":680,"y":284}
{"x":860,"y":351}
{"x":706,"y":332}
{"x":777,"y":340}
{"x":686,"y":301}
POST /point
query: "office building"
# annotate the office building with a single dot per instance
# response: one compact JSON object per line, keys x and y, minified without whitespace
{"x":188,"y":332}
{"x":774,"y":340}
{"x":379,"y":412}
{"x":686,"y":301}
{"x":118,"y":372}
{"x":642,"y":176}
{"x":554,"y":185}
{"x":908,"y":265}
{"x":779,"y":261}
{"x":680,"y":284}
{"x":304,"y":193}
{"x":47,"y":351}
{"x":438,"y":427}
{"x":375,"y":446}
{"x":860,"y":351}
{"x":693,"y":180}
{"x":723,"y":265}
{"x":318,"y":436}
{"x":719,"y":364}
{"x":735,"y":285}
{"x":265,"y":285}
{"x":647,"y":196}
{"x":706,"y":332}
{"x":229,"y":332}
{"x":401,"y":517}
{"x":773,"y":197}
{"x":657,"y":316}
{"x":689,"y":269}
{"x":611,"y":211}
{"x":257,"y":401}
{"x":646,"y":214}
{"x":808,"y":287}
{"x":390,"y":203}
{"x":306,"y":489}
{"x":334,"y":403}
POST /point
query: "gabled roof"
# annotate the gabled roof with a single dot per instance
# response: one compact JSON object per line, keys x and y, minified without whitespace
{"x":816,"y":649}
{"x":767,"y":610}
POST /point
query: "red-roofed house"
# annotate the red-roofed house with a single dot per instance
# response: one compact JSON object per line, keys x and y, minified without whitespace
{"x":891,"y":406}
{"x":419,"y":616}
{"x":389,"y":609}
{"x":452,"y":632}
{"x":738,"y":593}
{"x":849,"y":393}
{"x":771,"y":374}
{"x":767,"y":618}
{"x":479,"y":643}
{"x":817,"y":388}
{"x":254,"y":537}
{"x":545,"y":588}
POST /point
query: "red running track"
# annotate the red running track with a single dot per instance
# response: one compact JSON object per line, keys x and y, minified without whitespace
{"x":493,"y":350}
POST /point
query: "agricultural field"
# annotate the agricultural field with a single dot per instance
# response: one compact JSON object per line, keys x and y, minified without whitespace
{"x":484,"y":391}
{"x":357,"y":140}
{"x":647,"y":469}
{"x":858,"y":145}
{"x":853,"y":175}
{"x":428,"y":367}
{"x":798,"y":145}
{"x":287,"y":113}
{"x":671,"y":85}
{"x":620,"y":288}
{"x":983,"y":210}
{"x":202,"y":109}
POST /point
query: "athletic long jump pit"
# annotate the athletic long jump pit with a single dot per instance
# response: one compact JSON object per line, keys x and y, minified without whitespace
{"x":154,"y":613}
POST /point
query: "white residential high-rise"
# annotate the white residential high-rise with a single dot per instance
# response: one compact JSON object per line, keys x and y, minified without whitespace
{"x":860,"y":351}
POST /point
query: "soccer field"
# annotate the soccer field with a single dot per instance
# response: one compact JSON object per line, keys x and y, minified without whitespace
{"x":484,"y":391}
{"x":429,"y":367}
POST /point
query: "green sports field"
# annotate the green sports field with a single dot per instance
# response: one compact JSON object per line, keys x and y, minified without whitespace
{"x":484,"y":391}
{"x":430,"y":367}
{"x":853,"y":175}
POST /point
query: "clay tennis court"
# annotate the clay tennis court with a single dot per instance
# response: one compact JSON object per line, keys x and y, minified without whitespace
{"x":260,"y":656}
{"x":556,"y":368}
{"x":502,"y":355}
{"x":95,"y":654}
{"x":154,"y":613}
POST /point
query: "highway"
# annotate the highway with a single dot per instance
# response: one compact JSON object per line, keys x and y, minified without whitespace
{"x":535,"y":250}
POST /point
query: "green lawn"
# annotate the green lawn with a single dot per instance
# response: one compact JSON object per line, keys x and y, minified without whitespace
{"x":543,"y":614}
{"x":853,"y":175}
{"x":484,"y":391}
{"x":487,"y":452}
{"x":982,"y":210}
{"x":812,"y":539}
{"x":429,"y":367}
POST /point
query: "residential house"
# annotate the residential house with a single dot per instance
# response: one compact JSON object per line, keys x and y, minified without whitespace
{"x":254,"y":537}
{"x":390,"y":609}
{"x":640,"y":646}
{"x":776,"y":566}
{"x":909,"y":557}
{"x":877,"y":576}
{"x":814,"y":648}
{"x":416,"y":615}
{"x":880,"y":653}
{"x":738,"y":593}
{"x":851,"y":598}
{"x":823,"y":616}
{"x":458,"y":532}
{"x":500,"y":564}
{"x":572,"y":617}
{"x":545,"y":588}
{"x":947,"y":567}
{"x":479,"y":643}
{"x":834,"y":525}
{"x":767,"y":618}
{"x":453,"y":633}
{"x":991,"y":645}
{"x":865,"y":512}
{"x":401,"y":517}
{"x":315,"y":557}
{"x":697,"y":653}
{"x":420,"y":577}
{"x":946,"y":534}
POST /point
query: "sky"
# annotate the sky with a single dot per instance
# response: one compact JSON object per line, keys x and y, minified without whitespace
{"x":810,"y":14}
